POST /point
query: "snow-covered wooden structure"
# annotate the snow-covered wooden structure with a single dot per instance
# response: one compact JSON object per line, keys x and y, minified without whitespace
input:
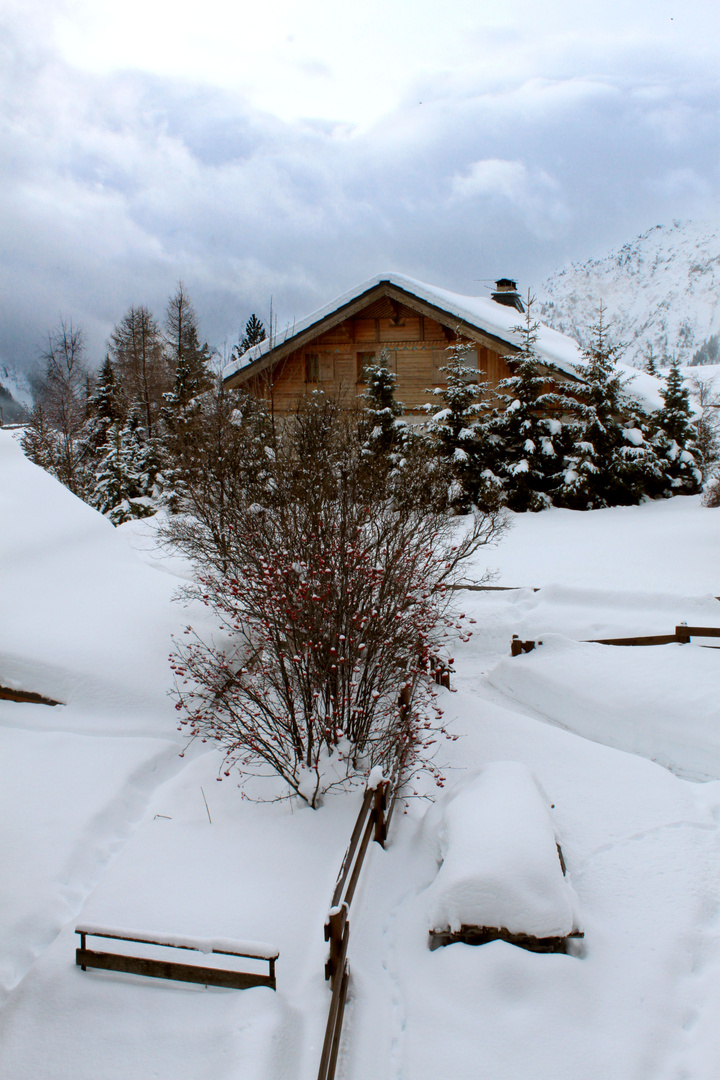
{"x":502,"y":875}
{"x":413,"y":323}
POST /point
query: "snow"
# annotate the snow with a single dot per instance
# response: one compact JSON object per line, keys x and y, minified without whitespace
{"x":660,"y":290}
{"x":376,"y":778}
{"x":102,"y":823}
{"x":660,"y":702}
{"x":16,"y":383}
{"x":499,"y":859}
{"x":559,"y":350}
{"x":258,"y":949}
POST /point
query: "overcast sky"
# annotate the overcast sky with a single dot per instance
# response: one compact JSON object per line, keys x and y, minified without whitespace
{"x":292,"y":150}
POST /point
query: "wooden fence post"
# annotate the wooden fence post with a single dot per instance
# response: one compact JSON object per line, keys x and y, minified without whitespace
{"x":379,"y":810}
{"x":334,"y":933}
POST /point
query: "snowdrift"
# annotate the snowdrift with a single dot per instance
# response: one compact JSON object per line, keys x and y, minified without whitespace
{"x":657,"y":701}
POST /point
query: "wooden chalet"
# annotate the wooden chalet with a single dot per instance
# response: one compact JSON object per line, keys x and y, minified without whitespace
{"x":413,"y":324}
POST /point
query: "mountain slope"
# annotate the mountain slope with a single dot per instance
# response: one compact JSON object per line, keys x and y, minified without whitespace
{"x":15,"y":395}
{"x":661,"y":291}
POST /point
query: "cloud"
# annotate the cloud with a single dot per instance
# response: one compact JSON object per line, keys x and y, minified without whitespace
{"x":115,"y":184}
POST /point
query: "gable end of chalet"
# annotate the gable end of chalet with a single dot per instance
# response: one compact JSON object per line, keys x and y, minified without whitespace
{"x":329,"y":351}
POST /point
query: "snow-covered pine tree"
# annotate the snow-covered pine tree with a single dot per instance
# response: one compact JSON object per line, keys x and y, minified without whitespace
{"x":523,"y":440}
{"x":458,"y":434}
{"x":650,"y":364}
{"x":104,"y":409}
{"x":192,"y":378}
{"x":675,"y":437}
{"x":126,"y":472}
{"x":382,"y":431}
{"x":612,"y":461}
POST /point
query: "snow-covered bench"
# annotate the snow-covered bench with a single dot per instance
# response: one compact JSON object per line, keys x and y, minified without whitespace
{"x":502,"y":874}
{"x":168,"y":969}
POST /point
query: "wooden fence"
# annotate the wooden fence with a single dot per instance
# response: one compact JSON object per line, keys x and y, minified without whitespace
{"x":372,"y":823}
{"x":167,"y":969}
{"x":28,"y":696}
{"x":681,"y":636}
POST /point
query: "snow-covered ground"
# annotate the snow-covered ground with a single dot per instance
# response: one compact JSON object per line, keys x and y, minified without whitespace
{"x":102,"y":822}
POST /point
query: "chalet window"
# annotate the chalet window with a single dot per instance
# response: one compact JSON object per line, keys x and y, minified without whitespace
{"x":364,"y":360}
{"x":312,"y":367}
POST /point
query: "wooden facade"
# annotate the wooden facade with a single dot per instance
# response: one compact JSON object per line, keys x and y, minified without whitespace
{"x":331,"y":354}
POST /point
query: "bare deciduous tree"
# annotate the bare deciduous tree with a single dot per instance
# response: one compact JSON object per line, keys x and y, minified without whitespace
{"x":138,"y":356}
{"x":61,"y":393}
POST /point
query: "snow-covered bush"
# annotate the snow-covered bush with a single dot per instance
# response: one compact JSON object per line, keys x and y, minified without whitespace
{"x":328,"y":588}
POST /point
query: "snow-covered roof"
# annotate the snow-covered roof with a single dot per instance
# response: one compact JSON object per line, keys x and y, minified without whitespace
{"x":482,"y":313}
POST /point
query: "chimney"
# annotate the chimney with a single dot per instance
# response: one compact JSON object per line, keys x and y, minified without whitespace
{"x":506,"y":293}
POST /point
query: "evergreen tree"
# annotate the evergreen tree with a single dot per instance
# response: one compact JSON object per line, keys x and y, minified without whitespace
{"x":254,"y":334}
{"x":458,"y":434}
{"x":522,"y":440}
{"x":126,"y":471}
{"x":674,"y":441}
{"x":381,"y":429}
{"x":612,"y":461}
{"x":105,"y":402}
{"x":190,"y":361}
{"x":140,"y":362}
{"x":104,"y":409}
{"x":650,"y":365}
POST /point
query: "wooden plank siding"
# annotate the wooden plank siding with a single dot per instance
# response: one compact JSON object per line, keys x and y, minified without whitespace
{"x":328,"y":355}
{"x":416,"y":345}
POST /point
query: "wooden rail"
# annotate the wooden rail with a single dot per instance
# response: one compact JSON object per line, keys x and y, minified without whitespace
{"x":167,"y":969}
{"x":491,"y":588}
{"x":28,"y":696}
{"x":481,"y":935}
{"x":681,"y":636}
{"x":372,"y":823}
{"x":441,"y":671}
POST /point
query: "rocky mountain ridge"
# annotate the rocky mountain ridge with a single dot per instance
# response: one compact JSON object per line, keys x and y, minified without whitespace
{"x":661,"y":291}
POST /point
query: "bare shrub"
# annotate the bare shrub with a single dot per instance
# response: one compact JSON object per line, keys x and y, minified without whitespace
{"x":330,"y":591}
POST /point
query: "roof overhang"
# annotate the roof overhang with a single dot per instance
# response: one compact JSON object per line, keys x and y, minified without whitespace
{"x":346,"y":310}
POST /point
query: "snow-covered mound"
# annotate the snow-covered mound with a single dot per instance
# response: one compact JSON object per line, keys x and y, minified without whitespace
{"x":500,"y":864}
{"x":78,"y":598}
{"x":661,"y":291}
{"x":660,"y":701}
